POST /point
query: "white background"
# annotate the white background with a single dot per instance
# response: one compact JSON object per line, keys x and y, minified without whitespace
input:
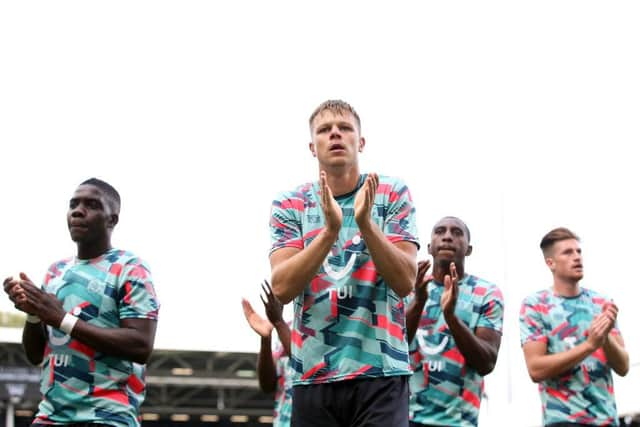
{"x":515,"y":116}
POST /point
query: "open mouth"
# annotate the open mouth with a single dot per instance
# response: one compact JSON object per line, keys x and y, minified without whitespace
{"x":336,"y":147}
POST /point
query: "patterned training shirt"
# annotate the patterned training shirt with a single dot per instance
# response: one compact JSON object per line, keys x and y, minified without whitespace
{"x":584,"y":394}
{"x":284,"y":392}
{"x":80,"y":384}
{"x":444,"y":390}
{"x":348,"y":322}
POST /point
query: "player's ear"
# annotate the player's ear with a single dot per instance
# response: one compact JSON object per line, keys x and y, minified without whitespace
{"x":113,"y":220}
{"x":361,"y":144}
{"x":429,"y":249}
{"x":469,"y":249}
{"x":550,"y":263}
{"x":312,"y":148}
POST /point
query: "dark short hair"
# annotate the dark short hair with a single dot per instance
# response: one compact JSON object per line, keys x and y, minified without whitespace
{"x":556,"y":235}
{"x":336,"y":106}
{"x":108,"y":190}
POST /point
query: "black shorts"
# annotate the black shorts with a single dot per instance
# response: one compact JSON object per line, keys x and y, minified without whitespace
{"x":368,"y":402}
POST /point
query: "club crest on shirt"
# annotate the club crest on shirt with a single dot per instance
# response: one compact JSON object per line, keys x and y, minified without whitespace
{"x":96,"y":286}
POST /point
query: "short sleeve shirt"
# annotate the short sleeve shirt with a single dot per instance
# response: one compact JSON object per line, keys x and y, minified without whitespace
{"x":584,"y":394}
{"x":284,"y":392}
{"x":445,"y":391}
{"x":80,"y":384}
{"x":348,"y":322}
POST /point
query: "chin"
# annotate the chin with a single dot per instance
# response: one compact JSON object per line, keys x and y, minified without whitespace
{"x":444,"y":262}
{"x":78,"y":238}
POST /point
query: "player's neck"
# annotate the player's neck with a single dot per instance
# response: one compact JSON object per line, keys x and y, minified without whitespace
{"x":92,"y":250}
{"x":441,"y":269}
{"x":343,"y":181}
{"x":566,"y":288}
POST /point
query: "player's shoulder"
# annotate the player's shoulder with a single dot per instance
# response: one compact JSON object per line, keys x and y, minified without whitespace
{"x":301,"y":191}
{"x":392,"y":180}
{"x":483,"y":287}
{"x":480,"y":283}
{"x":541,"y":296}
{"x":56,"y":269}
{"x":125,"y":258}
{"x":61,"y":263}
{"x":595,"y":296}
{"x":393,"y":187}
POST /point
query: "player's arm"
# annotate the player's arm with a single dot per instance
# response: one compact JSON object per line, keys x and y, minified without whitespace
{"x":395,"y":262}
{"x":543,"y":366}
{"x":617,"y":355}
{"x":420,"y":297}
{"x":613,"y":345}
{"x":293,"y":268}
{"x":34,"y":340}
{"x":284,"y":334}
{"x":133,"y":340}
{"x":480,"y":346}
{"x":266,"y":369}
{"x":273,"y":310}
{"x":33,"y":335}
{"x":480,"y":349}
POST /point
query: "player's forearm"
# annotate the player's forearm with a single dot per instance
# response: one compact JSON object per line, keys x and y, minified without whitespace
{"x":34,"y":340}
{"x":266,"y":368}
{"x":397,"y":268}
{"x":548,"y":366}
{"x":284,"y":334}
{"x":413,"y":315}
{"x":478,"y":353}
{"x":291,"y":276}
{"x":124,"y":342}
{"x":617,"y":356}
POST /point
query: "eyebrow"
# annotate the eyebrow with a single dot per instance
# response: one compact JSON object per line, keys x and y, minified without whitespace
{"x":89,"y":198}
{"x":331,"y":123}
{"x":453,"y":227}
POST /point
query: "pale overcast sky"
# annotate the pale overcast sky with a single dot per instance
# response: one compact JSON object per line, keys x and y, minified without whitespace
{"x":515,"y":116}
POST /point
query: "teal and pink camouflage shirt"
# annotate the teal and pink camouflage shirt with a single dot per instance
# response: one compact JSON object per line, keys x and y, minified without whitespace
{"x":80,"y":384}
{"x":348,"y":322}
{"x":585,"y":393}
{"x":444,"y":390}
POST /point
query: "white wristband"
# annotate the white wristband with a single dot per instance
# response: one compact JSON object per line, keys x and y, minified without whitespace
{"x":32,"y":319}
{"x":68,"y":322}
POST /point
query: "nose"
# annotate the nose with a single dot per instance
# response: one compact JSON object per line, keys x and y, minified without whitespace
{"x":335,"y":131}
{"x":77,"y":211}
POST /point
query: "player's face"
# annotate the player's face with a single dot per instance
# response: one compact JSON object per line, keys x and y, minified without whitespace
{"x":449,"y":241}
{"x":89,"y":218}
{"x":336,"y":140}
{"x":565,"y":260}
